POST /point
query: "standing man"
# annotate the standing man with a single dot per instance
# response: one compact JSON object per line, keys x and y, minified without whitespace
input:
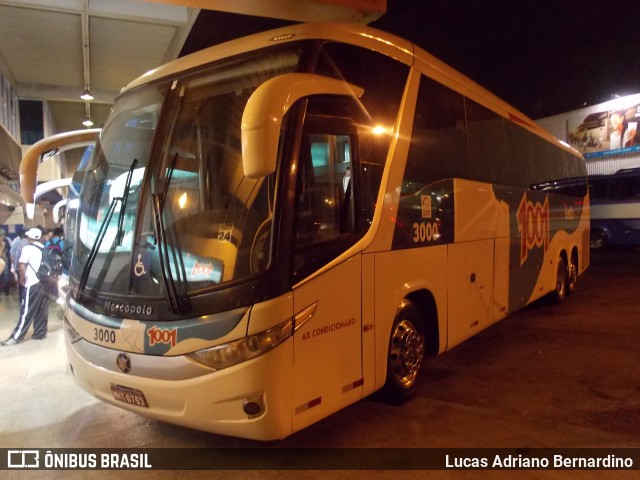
{"x":56,"y":242}
{"x":34,"y":306}
{"x":16,"y":250}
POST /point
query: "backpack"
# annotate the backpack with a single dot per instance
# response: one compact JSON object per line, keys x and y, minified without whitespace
{"x":55,"y":245}
{"x":50,"y":265}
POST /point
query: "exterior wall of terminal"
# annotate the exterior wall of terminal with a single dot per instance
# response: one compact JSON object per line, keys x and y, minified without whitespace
{"x":589,"y":130}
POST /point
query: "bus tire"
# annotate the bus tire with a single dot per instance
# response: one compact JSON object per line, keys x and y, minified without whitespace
{"x":560,"y":291}
{"x":406,"y":354}
{"x":599,"y":239}
{"x":572,"y":275}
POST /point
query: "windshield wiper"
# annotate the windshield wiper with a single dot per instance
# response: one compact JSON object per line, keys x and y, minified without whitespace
{"x":103,"y":229}
{"x":123,"y":204}
{"x":167,"y":181}
{"x":96,"y":246}
{"x":170,"y":286}
{"x":177,"y":303}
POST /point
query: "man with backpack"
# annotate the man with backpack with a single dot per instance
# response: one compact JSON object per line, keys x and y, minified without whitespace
{"x":34,"y":306}
{"x":55,"y":242}
{"x":16,"y":249}
{"x":55,"y":247}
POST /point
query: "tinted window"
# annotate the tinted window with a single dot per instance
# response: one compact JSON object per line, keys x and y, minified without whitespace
{"x":598,"y":188}
{"x":329,"y":214}
{"x":533,"y":161}
{"x":383,"y":80}
{"x":625,"y":188}
{"x":438,"y":142}
{"x":487,"y":145}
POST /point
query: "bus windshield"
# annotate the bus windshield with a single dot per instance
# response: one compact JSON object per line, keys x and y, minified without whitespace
{"x":176,"y":215}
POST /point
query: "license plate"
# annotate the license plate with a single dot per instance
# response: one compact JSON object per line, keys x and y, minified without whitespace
{"x":129,"y":395}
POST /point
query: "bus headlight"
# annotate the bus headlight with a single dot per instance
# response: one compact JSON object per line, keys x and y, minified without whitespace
{"x":223,"y":356}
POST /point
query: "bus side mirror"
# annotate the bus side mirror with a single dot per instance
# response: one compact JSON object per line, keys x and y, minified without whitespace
{"x":267,"y":106}
{"x":42,"y":151}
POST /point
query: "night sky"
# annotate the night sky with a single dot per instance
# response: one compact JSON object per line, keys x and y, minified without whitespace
{"x":542,"y":56}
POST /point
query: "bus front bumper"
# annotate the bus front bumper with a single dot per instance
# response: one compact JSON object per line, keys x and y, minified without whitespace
{"x":250,"y":400}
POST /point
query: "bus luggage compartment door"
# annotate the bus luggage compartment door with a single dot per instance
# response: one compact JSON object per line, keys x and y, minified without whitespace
{"x":470,"y":288}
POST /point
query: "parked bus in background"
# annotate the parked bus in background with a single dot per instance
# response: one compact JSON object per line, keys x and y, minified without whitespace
{"x":615,"y":209}
{"x":273,"y":228}
{"x":45,"y":150}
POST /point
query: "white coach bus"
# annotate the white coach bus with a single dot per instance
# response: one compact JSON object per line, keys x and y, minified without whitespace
{"x":273,"y":228}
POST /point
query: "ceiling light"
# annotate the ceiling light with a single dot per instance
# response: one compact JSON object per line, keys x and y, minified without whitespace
{"x":86,"y":95}
{"x":87,"y":122}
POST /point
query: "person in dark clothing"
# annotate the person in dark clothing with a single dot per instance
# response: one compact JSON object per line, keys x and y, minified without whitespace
{"x":55,"y":242}
{"x":34,"y":306}
{"x":16,"y":249}
{"x":5,"y":263}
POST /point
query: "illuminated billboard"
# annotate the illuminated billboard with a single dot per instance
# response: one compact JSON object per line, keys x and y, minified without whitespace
{"x":606,"y":133}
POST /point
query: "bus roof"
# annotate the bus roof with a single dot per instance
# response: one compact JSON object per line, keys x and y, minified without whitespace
{"x":367,"y":37}
{"x":396,"y":47}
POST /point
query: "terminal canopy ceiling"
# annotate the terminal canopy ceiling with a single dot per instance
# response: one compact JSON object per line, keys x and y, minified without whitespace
{"x":55,"y":49}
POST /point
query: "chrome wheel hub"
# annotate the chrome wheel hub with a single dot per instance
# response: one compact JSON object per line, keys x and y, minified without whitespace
{"x":407,"y":352}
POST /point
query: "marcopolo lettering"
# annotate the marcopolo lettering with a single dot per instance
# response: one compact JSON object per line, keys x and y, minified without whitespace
{"x":127,"y":309}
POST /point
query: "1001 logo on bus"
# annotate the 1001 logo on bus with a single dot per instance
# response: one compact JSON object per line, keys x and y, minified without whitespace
{"x":533,"y":224}
{"x":161,"y":335}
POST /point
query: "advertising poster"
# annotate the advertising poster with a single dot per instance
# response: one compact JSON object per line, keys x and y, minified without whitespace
{"x":606,"y":133}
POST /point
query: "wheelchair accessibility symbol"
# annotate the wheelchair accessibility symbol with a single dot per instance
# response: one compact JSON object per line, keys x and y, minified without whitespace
{"x":138,"y":268}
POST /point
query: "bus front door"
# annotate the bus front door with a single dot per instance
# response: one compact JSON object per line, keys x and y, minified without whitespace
{"x":328,"y":280}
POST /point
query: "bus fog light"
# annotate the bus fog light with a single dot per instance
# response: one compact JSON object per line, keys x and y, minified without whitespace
{"x":252,"y":408}
{"x":232,"y":353}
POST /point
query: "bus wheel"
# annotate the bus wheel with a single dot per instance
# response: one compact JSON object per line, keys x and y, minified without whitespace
{"x":406,"y":354}
{"x":560,"y":292}
{"x":598,"y":239}
{"x":572,"y":275}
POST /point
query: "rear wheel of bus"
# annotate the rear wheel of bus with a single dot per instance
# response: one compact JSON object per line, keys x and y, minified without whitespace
{"x":572,"y":274}
{"x":406,"y":353}
{"x":599,"y":239}
{"x":560,"y":292}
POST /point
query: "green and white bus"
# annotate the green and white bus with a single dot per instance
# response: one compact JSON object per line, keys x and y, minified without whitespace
{"x":273,"y":228}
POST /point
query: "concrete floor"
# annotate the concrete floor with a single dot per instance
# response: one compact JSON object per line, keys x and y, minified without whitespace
{"x":552,"y":377}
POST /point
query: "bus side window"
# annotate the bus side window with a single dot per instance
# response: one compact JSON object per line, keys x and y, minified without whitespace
{"x":326,"y":215}
{"x":326,"y":201}
{"x":439,"y":144}
{"x":625,"y":187}
{"x":598,"y":188}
